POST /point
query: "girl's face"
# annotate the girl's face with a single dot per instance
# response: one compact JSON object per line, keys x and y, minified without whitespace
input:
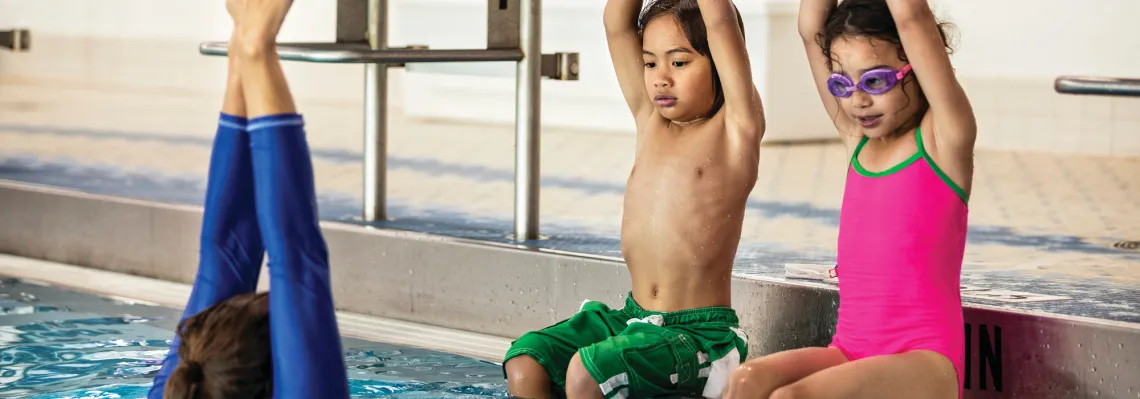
{"x":875,"y":115}
{"x":678,"y":80}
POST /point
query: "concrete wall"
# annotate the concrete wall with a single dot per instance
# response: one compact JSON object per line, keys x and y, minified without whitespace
{"x":1006,"y":59}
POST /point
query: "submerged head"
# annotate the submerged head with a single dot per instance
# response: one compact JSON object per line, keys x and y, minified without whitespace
{"x":680,"y":76}
{"x":225,"y":352}
{"x":872,"y":79}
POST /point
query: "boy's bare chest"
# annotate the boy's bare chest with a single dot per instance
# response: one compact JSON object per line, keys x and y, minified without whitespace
{"x":684,"y":165}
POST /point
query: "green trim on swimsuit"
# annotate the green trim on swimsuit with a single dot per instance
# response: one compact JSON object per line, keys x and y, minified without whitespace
{"x":921,"y":153}
{"x":938,"y":171}
{"x":859,"y":167}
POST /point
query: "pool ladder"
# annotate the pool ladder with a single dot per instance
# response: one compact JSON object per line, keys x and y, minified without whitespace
{"x":514,"y":33}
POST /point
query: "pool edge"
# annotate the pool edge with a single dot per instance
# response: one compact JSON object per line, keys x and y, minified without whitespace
{"x":502,"y":290}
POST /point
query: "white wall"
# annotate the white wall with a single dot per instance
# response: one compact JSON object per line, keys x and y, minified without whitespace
{"x":155,"y":19}
{"x":1044,"y":38}
{"x":1008,"y":38}
{"x":1006,"y":59}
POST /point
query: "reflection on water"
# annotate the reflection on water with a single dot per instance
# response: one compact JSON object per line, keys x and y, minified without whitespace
{"x":49,"y":351}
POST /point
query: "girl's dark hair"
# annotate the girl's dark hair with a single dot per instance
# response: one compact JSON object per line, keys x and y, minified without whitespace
{"x":225,"y":352}
{"x":872,"y":19}
{"x":688,"y":15}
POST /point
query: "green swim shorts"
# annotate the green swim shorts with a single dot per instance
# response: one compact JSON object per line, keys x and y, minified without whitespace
{"x":635,"y":353}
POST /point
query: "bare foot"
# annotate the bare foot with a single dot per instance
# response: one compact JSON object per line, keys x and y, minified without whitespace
{"x":257,"y":22}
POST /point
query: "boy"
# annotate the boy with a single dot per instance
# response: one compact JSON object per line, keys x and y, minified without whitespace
{"x":685,"y":75}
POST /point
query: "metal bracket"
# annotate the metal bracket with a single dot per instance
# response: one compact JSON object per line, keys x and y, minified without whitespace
{"x":1085,"y":85}
{"x":17,"y":40}
{"x":352,"y":21}
{"x":560,"y":66}
{"x":503,"y":24}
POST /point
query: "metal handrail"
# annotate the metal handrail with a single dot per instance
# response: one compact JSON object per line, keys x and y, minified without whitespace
{"x":1088,"y":85}
{"x":351,"y":53}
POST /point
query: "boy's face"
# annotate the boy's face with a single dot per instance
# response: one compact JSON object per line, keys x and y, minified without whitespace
{"x":678,"y":80}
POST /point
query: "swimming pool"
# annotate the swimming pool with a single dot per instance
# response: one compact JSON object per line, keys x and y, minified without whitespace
{"x":57,"y":343}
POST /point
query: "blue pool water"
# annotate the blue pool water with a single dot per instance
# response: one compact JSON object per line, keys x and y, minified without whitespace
{"x":56,"y":343}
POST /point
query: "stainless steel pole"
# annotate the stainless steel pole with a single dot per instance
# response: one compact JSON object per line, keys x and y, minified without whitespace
{"x":376,"y":117}
{"x":528,"y":108}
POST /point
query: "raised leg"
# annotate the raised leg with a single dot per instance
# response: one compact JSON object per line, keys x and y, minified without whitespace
{"x":231,"y":251}
{"x":308,"y":360}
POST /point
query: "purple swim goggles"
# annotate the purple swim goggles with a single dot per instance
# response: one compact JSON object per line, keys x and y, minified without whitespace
{"x":875,"y":81}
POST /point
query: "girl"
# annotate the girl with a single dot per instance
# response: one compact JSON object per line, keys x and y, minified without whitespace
{"x":259,"y":197}
{"x":883,"y":71}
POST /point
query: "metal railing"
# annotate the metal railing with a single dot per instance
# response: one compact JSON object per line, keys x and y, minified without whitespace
{"x":1100,"y":86}
{"x":17,"y":40}
{"x":514,"y":33}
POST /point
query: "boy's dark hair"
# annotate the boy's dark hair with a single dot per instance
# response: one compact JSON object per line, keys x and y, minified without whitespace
{"x":688,"y":15}
{"x":225,"y":352}
{"x":873,"y":19}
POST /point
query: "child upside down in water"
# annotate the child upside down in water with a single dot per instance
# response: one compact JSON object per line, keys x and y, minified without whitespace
{"x":686,"y":78}
{"x":886,"y":80}
{"x":232,"y":342}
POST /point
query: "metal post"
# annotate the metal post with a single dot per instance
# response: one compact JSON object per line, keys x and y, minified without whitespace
{"x":376,"y":117}
{"x":527,"y":123}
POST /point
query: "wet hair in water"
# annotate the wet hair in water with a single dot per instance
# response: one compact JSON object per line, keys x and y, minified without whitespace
{"x":225,"y":352}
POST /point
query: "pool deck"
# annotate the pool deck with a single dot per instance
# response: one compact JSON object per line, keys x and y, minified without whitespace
{"x":1048,"y":232}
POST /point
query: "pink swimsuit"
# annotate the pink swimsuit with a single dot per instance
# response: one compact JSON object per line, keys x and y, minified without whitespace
{"x":902,"y":236}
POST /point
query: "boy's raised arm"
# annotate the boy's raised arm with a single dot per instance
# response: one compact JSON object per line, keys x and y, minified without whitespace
{"x":726,"y":45}
{"x":625,"y":49}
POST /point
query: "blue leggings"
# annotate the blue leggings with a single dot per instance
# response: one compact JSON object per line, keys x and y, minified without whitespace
{"x":260,"y":198}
